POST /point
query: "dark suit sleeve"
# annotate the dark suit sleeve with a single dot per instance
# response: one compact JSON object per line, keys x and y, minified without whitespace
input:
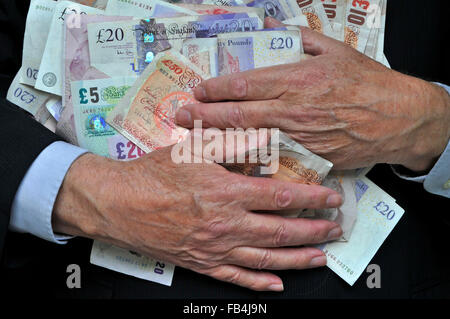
{"x":21,"y":137}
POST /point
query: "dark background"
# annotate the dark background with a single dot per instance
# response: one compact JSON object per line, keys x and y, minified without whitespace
{"x":414,"y":260}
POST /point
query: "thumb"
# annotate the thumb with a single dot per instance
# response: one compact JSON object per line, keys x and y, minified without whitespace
{"x":316,"y":43}
{"x":270,"y":22}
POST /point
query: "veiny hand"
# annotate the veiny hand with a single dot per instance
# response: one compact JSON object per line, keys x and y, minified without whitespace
{"x":197,"y":216}
{"x":339,"y":104}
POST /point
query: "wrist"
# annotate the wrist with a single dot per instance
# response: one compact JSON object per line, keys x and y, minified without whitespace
{"x":434,"y":129}
{"x":76,"y":210}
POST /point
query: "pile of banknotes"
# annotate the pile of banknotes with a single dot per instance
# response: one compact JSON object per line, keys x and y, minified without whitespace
{"x":109,"y":76}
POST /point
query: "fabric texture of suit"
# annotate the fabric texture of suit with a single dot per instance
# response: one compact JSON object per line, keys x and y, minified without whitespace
{"x":413,"y":259}
{"x":22,"y":137}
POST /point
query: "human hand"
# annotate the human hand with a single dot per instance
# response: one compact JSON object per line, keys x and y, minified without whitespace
{"x":339,"y":104}
{"x":198,"y":216}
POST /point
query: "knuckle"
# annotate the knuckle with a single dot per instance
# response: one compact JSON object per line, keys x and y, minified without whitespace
{"x":236,"y":115}
{"x":282,"y":198}
{"x":203,"y":112}
{"x":317,"y":234}
{"x":194,"y":258}
{"x":238,"y":87}
{"x":281,"y":236}
{"x":217,"y":228}
{"x":209,"y":231}
{"x":314,"y":195}
{"x":264,"y":260}
{"x":202,"y":260}
{"x":233,"y":277}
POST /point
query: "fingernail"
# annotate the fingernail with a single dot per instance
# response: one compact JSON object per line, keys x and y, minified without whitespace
{"x":318,"y":261}
{"x":276,"y":287}
{"x":183,"y":118}
{"x":200,"y":93}
{"x":334,"y":201}
{"x":335,"y":233}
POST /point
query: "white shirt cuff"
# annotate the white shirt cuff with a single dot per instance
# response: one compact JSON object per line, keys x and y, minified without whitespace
{"x":32,"y":207}
{"x":417,"y":179}
{"x":438,"y":180}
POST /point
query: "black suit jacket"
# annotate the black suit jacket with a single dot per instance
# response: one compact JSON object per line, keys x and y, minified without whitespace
{"x":412,"y":259}
{"x":22,"y":137}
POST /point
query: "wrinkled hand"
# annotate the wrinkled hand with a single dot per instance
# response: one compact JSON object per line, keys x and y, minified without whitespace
{"x":197,"y":216}
{"x":339,"y":104}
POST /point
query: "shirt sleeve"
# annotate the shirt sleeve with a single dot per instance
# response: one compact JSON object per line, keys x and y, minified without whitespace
{"x":32,"y":207}
{"x":437,"y":181}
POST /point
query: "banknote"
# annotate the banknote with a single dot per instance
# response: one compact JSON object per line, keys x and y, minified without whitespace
{"x":54,"y":106}
{"x":385,"y":61}
{"x":295,"y":164}
{"x":335,"y":10}
{"x":242,"y":51}
{"x":359,"y":172}
{"x":272,"y":8}
{"x":126,"y":48}
{"x":122,"y":149}
{"x":313,"y":168}
{"x":299,"y":20}
{"x":37,"y":27}
{"x":66,"y":125}
{"x":50,"y":70}
{"x":50,"y":124}
{"x":145,"y":9}
{"x":359,"y":22}
{"x":28,"y":98}
{"x":213,"y":9}
{"x":344,"y":184}
{"x":203,"y":53}
{"x":77,"y":66}
{"x":131,"y":263}
{"x":378,"y":214}
{"x":380,"y":43}
{"x":301,"y":167}
{"x":92,"y":101}
{"x":315,"y":14}
{"x":374,"y":15}
{"x":146,"y":114}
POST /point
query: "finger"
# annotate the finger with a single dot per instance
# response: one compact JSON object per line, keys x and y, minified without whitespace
{"x":246,"y":114}
{"x":270,"y":194}
{"x":259,"y":281}
{"x":258,"y":84}
{"x":267,"y":230}
{"x":270,"y":22}
{"x":277,"y":258}
{"x":316,"y":43}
